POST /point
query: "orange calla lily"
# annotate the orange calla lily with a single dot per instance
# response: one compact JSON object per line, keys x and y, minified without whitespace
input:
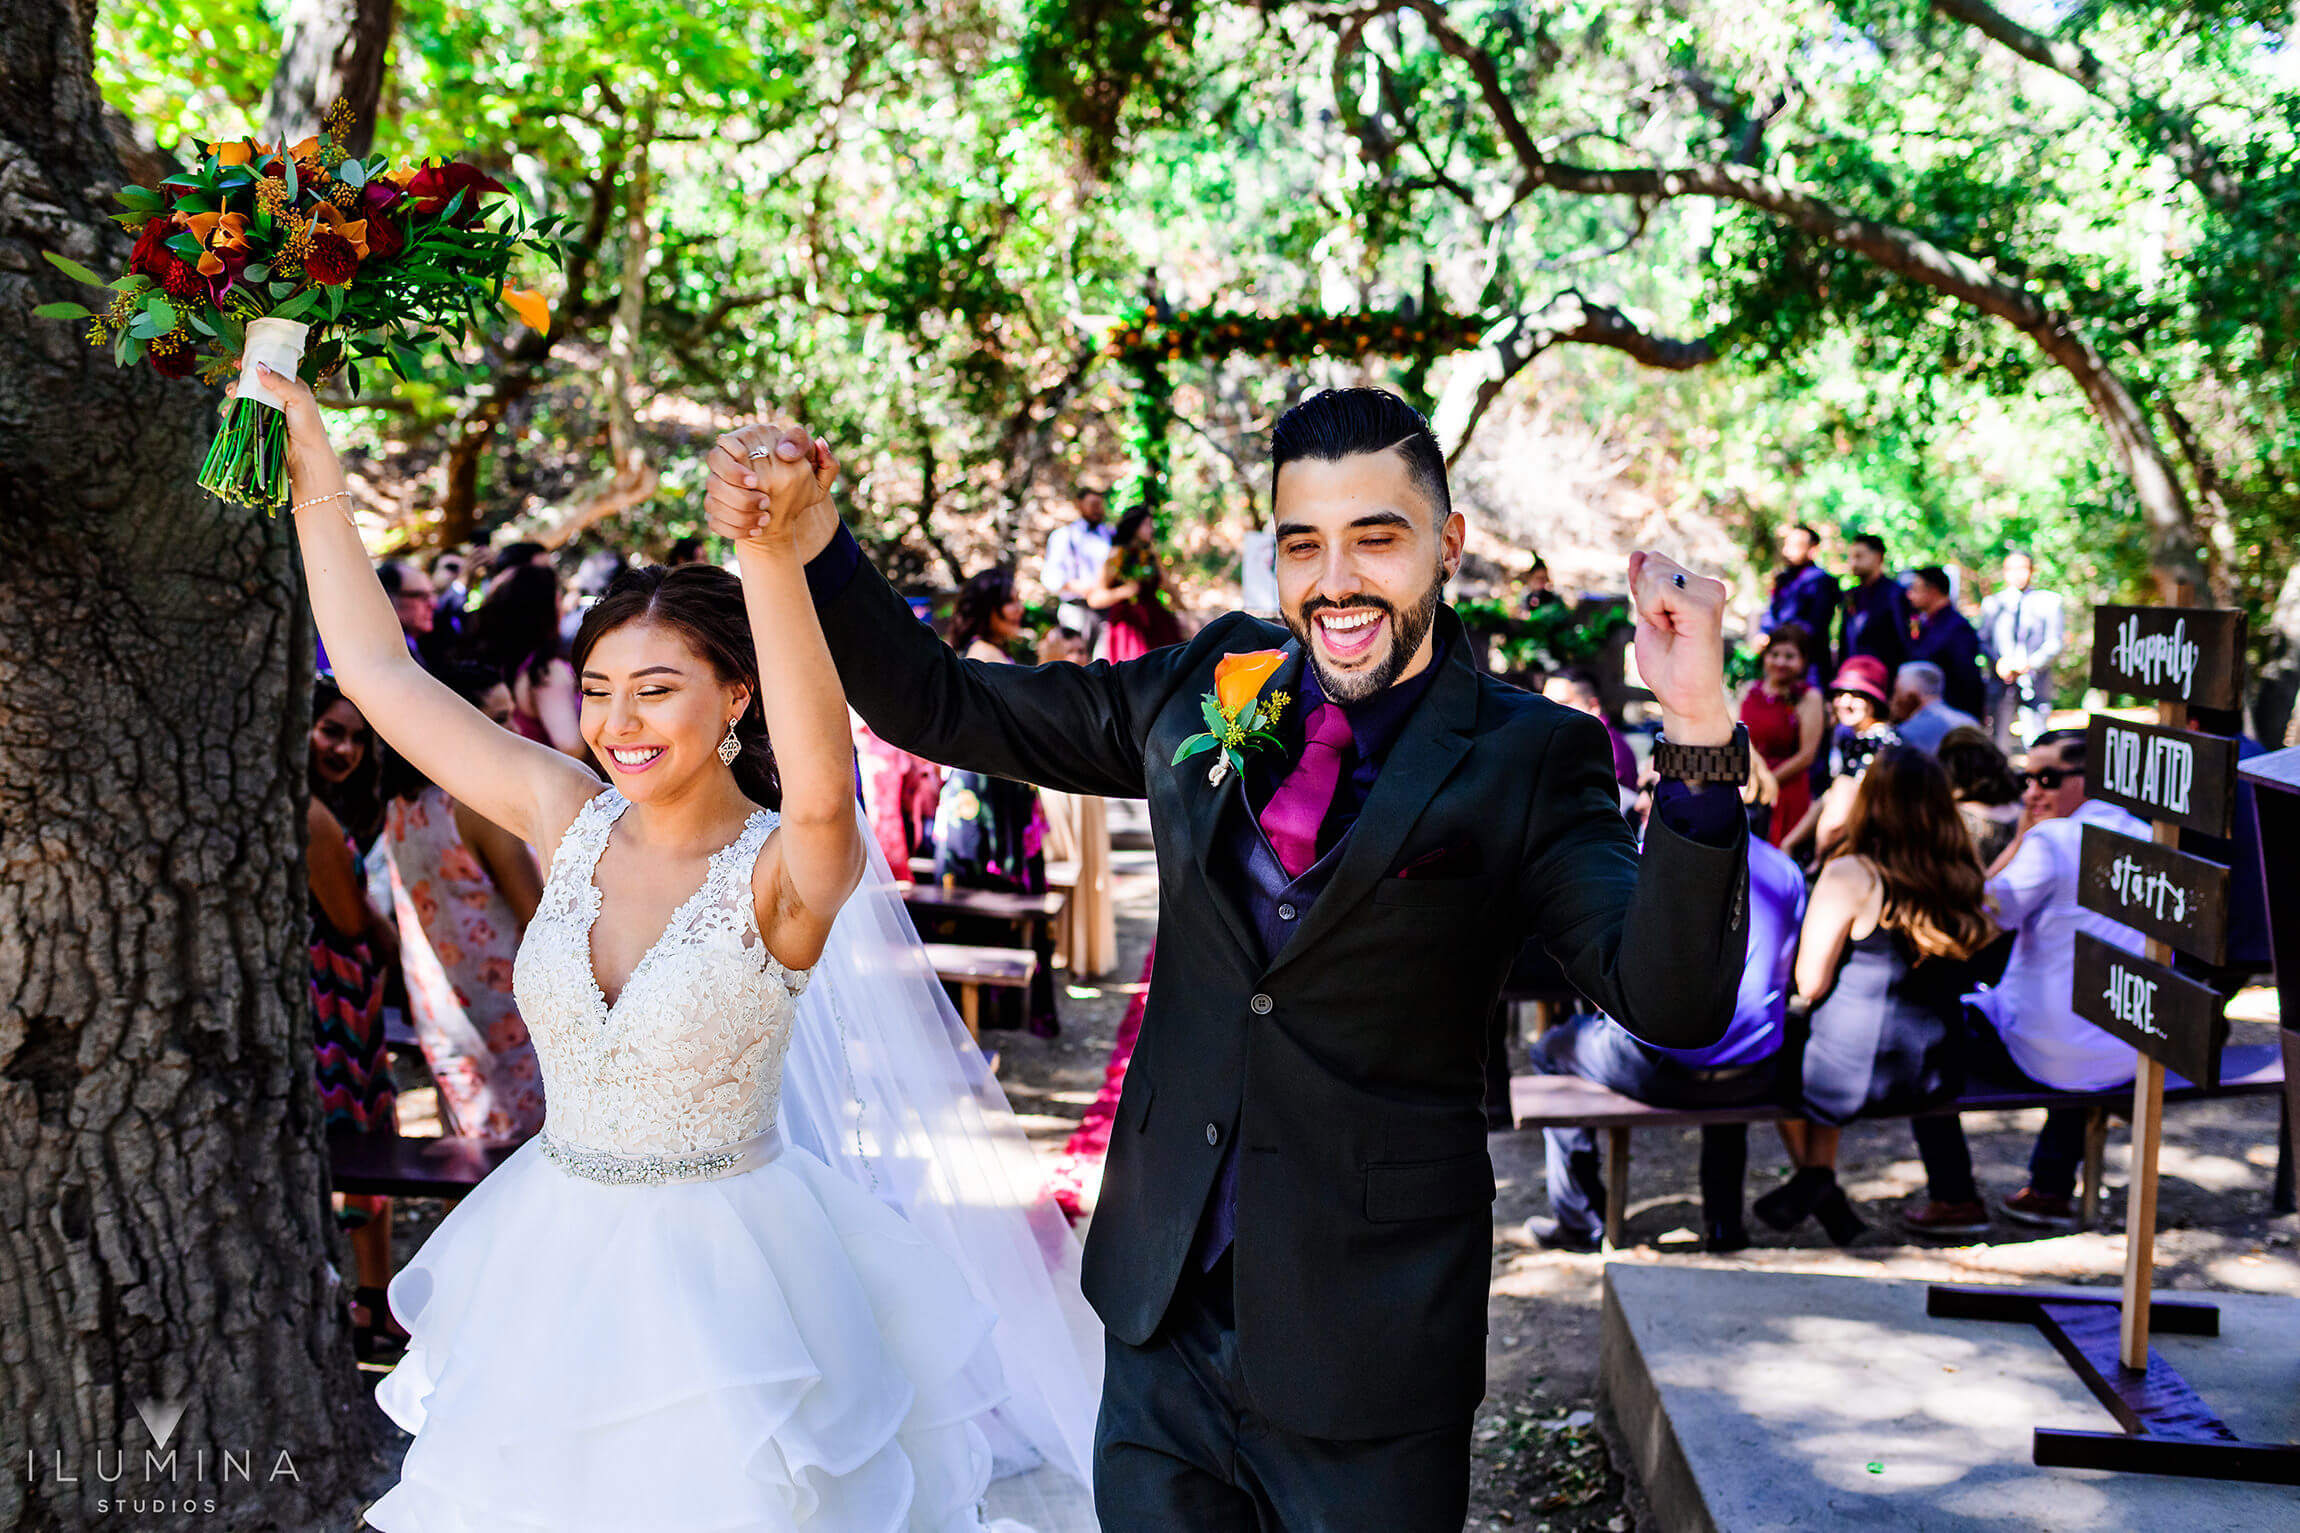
{"x":241,"y":153}
{"x":329,"y":219}
{"x":1239,"y":679}
{"x":216,"y":232}
{"x":533,"y":311}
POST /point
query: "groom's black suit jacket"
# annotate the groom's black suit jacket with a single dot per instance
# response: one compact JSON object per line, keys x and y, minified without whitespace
{"x":1352,"y":1060}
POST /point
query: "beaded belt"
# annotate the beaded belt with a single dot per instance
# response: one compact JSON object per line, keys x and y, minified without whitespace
{"x":645,"y":1170}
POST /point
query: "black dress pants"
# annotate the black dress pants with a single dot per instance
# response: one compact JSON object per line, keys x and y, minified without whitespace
{"x":1180,"y":1448}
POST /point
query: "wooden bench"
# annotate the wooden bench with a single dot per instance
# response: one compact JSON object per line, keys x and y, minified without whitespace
{"x":388,"y":1166}
{"x":1568,"y":1101}
{"x":971,"y":968}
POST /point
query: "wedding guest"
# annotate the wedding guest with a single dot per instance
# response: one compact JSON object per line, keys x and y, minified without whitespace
{"x":1920,"y":717}
{"x":1538,"y":591}
{"x":1072,"y":572}
{"x":990,"y":832}
{"x":352,"y":949}
{"x":1883,"y":961}
{"x":509,"y":559}
{"x":1805,"y":594}
{"x":1876,"y":610}
{"x":687,"y":550}
{"x":1938,"y":633}
{"x":1578,"y":689}
{"x":411,"y":602}
{"x":1858,"y":704}
{"x":2020,"y":630}
{"x":439,"y":647}
{"x":464,"y":890}
{"x":1787,"y":723}
{"x":593,"y":577}
{"x":1988,"y":791}
{"x":1131,"y":595}
{"x":2023,"y":1031}
{"x":1733,"y":1072}
{"x":899,"y":793}
{"x":518,"y":637}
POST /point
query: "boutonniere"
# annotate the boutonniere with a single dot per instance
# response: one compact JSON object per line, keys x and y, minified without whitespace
{"x":1238,"y":717}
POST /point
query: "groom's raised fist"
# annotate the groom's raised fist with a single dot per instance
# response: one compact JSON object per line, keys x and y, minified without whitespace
{"x":770,"y":483}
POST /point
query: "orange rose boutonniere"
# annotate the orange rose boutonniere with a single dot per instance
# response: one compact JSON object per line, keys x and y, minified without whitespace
{"x":1238,"y":717}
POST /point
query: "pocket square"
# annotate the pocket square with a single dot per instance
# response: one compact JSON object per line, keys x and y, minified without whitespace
{"x":1456,"y":859}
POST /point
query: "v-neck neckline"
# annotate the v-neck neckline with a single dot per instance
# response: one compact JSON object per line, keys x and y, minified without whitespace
{"x":604,"y":1009}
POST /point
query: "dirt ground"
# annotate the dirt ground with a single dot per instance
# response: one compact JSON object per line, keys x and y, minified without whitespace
{"x":1543,"y":1461}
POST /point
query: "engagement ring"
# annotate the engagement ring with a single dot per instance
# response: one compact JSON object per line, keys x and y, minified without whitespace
{"x":757,"y":453}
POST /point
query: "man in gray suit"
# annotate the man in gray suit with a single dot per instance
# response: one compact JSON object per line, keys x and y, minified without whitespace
{"x":2020,"y":639}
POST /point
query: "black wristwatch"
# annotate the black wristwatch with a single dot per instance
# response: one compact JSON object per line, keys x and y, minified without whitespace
{"x":1728,"y":763}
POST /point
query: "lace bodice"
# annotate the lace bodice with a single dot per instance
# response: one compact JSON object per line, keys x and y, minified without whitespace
{"x":690,"y":1056}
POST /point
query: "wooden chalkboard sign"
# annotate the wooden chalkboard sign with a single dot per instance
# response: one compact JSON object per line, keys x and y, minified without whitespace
{"x":2192,"y":655}
{"x":2173,"y":775}
{"x":2168,"y":1017}
{"x":2156,"y":891}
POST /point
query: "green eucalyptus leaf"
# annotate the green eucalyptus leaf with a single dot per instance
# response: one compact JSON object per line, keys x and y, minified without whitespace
{"x":1195,"y":745}
{"x":1212,"y":713}
{"x":63,"y":311}
{"x":73,"y":269}
{"x":257,"y":271}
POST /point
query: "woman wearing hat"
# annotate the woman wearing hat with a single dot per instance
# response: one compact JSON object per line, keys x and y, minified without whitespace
{"x":1860,"y":696}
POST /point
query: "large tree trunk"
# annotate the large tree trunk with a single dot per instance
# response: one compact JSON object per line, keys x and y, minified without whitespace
{"x":332,"y":48}
{"x":164,"y":1233}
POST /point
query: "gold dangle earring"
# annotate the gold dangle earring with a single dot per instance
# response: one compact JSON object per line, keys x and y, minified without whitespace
{"x":730,"y":747}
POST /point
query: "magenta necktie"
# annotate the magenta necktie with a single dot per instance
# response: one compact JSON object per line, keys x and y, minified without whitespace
{"x":1294,"y":813}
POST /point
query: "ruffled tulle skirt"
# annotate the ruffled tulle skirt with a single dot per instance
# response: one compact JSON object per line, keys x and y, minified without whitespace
{"x":762,"y":1353}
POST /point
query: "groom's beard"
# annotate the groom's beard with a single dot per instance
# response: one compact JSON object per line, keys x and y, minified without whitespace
{"x":1407,"y":630}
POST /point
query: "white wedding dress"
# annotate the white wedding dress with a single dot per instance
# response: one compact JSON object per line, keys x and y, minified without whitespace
{"x":658,"y":1315}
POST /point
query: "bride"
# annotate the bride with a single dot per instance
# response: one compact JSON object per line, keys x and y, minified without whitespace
{"x":688,"y":1303}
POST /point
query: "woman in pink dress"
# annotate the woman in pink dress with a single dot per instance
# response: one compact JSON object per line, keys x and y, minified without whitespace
{"x":465,"y":889}
{"x":1132,"y":596}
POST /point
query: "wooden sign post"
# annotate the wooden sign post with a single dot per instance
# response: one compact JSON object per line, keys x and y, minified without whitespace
{"x":2181,"y":657}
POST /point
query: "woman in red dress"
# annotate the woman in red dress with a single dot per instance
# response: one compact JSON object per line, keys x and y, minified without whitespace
{"x":1786,"y":722}
{"x":1132,"y":596}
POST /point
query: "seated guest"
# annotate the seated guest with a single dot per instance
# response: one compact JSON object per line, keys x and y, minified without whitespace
{"x":1736,"y":1070}
{"x":1987,"y":790}
{"x":1858,"y":701}
{"x":2023,"y":1031}
{"x":1940,"y":634}
{"x":1882,"y":964}
{"x":1578,"y":689}
{"x":1920,"y":717}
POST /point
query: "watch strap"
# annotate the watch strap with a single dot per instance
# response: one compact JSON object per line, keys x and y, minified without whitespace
{"x":1727,"y":763}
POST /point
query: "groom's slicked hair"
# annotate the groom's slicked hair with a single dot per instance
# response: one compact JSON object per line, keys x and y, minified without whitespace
{"x":1341,"y":423}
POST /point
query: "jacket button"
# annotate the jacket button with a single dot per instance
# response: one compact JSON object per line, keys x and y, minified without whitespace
{"x":1213,"y":1134}
{"x":1285,"y":912}
{"x":1262,"y":1005}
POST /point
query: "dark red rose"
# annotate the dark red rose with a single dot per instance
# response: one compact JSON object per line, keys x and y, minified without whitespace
{"x":385,"y":238}
{"x":434,"y":186}
{"x":182,"y":281}
{"x":332,"y":262}
{"x":180,"y":363}
{"x":152,"y":254}
{"x":381,"y":194}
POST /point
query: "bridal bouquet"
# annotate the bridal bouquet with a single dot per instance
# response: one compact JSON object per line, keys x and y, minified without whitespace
{"x":310,"y":261}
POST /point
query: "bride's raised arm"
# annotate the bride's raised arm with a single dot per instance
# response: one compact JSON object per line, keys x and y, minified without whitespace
{"x":528,"y":789}
{"x":806,"y":714}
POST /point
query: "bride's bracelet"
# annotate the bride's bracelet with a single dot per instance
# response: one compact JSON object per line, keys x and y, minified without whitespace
{"x":321,"y":500}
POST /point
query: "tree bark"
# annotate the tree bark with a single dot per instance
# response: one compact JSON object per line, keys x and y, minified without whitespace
{"x":1479,"y":378}
{"x":332,"y":48}
{"x":164,"y":1231}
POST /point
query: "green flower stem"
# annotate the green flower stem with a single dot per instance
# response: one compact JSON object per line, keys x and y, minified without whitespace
{"x":247,"y":463}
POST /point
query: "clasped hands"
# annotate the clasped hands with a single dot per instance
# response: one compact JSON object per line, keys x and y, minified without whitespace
{"x":770,"y":489}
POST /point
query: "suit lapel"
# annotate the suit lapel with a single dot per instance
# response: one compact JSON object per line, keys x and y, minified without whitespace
{"x":1204,"y":804}
{"x":1435,"y":736}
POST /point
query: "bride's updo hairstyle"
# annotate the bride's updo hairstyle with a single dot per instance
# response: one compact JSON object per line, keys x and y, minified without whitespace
{"x":705,"y":604}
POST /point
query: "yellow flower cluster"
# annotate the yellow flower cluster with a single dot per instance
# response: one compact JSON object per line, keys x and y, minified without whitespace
{"x":272,"y":196}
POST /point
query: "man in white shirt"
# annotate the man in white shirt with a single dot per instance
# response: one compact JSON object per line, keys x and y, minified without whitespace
{"x":2024,"y":1030}
{"x":1075,"y":556}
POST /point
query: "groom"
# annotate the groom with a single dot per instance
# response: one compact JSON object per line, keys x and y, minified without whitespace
{"x":1293,"y":1242}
